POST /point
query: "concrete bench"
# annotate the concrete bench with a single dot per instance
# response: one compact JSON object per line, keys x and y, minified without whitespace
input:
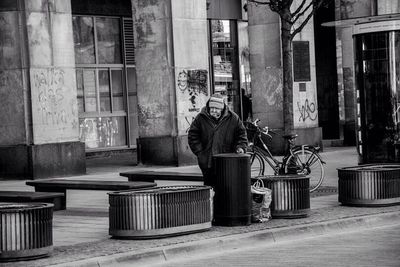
{"x":151,"y":176}
{"x":61,"y":186}
{"x":28,"y":196}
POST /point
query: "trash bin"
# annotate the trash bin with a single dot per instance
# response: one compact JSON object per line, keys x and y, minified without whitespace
{"x":232,"y":200}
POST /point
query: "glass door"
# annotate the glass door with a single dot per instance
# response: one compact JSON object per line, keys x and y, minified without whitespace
{"x":224,"y":62}
{"x":377,"y":72}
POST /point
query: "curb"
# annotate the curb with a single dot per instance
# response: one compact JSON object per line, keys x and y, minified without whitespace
{"x":244,"y":240}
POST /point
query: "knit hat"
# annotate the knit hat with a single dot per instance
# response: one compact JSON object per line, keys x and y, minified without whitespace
{"x":216,"y":101}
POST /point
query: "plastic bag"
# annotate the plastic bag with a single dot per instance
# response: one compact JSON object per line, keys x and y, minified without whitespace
{"x":261,"y":200}
{"x":212,"y":194}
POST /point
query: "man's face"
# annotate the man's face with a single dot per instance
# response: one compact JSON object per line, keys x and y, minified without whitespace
{"x":215,"y":112}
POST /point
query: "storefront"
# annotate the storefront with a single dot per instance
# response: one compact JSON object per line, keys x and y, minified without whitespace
{"x":377,"y":71}
{"x":105,"y":75}
{"x":87,"y":77}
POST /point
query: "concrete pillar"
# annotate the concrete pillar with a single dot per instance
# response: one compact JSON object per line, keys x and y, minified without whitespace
{"x":305,"y":99}
{"x":172,"y":76}
{"x":265,"y":65}
{"x":266,"y":79}
{"x":40,"y":129}
{"x":347,"y":9}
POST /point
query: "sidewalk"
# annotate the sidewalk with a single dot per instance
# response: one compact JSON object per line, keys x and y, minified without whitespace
{"x":80,"y":233}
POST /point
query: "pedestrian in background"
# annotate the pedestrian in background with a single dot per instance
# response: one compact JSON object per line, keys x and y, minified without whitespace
{"x":216,"y":129}
{"x":247,"y":111}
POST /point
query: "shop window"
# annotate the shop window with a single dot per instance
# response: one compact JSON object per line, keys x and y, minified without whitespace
{"x":230,"y":64}
{"x":100,"y":76}
{"x":224,"y":60}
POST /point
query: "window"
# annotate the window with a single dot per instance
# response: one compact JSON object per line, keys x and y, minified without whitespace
{"x":100,"y":77}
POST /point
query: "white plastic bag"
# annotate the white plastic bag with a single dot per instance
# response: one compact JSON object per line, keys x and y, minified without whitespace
{"x":212,"y":194}
{"x":261,"y":200}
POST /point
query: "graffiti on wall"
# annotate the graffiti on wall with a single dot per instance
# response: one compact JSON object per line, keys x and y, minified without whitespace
{"x":273,"y":86}
{"x":346,"y":8}
{"x":189,"y":120}
{"x":194,"y":82}
{"x":150,"y":112}
{"x":307,"y":111}
{"x":144,"y":29}
{"x":49,"y":83}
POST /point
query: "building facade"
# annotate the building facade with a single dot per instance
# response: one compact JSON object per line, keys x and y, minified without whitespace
{"x":367,"y":49}
{"x":84,"y":77}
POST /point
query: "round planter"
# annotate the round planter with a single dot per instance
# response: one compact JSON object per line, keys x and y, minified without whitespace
{"x":159,"y":212}
{"x":369,"y":185}
{"x":290,"y":195}
{"x":26,"y":230}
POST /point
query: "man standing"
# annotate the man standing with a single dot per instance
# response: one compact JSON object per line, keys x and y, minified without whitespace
{"x":216,"y":129}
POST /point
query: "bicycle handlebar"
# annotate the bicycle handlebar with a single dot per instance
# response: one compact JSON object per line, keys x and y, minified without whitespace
{"x":264,"y":130}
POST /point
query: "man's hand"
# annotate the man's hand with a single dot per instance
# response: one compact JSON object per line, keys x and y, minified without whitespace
{"x":240,"y":150}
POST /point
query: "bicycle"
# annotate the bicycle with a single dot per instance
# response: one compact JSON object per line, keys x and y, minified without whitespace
{"x":303,"y":159}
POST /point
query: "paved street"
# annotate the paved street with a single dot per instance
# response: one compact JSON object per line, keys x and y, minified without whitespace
{"x":371,"y":247}
{"x":80,"y":233}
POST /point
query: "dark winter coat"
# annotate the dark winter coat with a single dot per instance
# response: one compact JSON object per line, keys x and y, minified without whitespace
{"x":208,"y":136}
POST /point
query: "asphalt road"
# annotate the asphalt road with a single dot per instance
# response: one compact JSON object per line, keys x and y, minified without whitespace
{"x":371,"y":247}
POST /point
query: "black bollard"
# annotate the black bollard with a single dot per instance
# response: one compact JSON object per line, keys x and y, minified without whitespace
{"x":232,"y":200}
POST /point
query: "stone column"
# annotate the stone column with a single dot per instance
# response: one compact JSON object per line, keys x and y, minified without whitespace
{"x":266,"y":79}
{"x":40,"y":130}
{"x":347,"y":9}
{"x":172,"y":76}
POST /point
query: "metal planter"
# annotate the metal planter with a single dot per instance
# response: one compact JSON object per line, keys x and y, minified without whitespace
{"x":370,"y":185}
{"x":290,"y":195}
{"x":159,"y":212}
{"x":26,"y":230}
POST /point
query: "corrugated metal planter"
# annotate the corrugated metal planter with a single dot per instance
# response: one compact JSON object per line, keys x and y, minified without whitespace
{"x":290,"y":195}
{"x":370,"y":185}
{"x":159,"y":212}
{"x":26,"y":230}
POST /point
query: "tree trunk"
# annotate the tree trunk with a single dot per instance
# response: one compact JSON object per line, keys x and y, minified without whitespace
{"x":286,"y":43}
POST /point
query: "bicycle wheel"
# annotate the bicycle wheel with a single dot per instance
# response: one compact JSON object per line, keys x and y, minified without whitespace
{"x":256,"y":163}
{"x":305,"y":161}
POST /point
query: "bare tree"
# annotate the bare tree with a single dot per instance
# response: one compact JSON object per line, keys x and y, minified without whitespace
{"x":292,"y":22}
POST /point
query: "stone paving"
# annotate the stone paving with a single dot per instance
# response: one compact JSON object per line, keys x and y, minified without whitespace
{"x":81,"y":231}
{"x":104,"y":245}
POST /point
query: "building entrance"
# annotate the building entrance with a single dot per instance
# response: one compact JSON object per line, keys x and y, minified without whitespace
{"x":377,"y":69}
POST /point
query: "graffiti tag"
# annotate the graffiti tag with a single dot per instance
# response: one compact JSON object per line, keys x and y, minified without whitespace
{"x":189,"y":121}
{"x":50,"y":87}
{"x":195,"y":82}
{"x":307,"y":111}
{"x":273,"y":86}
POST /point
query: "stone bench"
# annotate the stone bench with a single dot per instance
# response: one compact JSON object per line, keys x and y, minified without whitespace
{"x":28,"y":196}
{"x":151,"y":176}
{"x":61,"y":186}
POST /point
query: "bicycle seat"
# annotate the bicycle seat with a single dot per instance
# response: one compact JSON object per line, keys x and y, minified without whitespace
{"x":290,"y":136}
